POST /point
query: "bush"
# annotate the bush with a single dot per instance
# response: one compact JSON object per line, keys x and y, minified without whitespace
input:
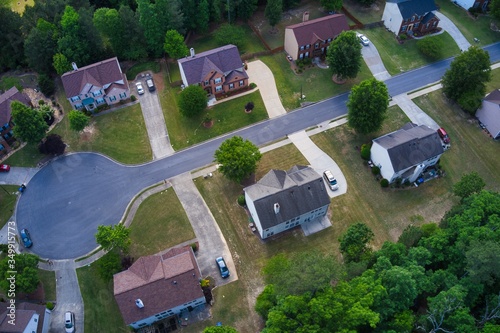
{"x":52,"y":145}
{"x":41,"y":102}
{"x":384,"y":182}
{"x":230,"y":34}
{"x":403,"y":37}
{"x":192,"y":101}
{"x":194,"y":246}
{"x":78,"y":120}
{"x":376,"y":170}
{"x":241,"y":200}
{"x":46,"y":85}
{"x":50,"y":305}
{"x":252,"y":85}
{"x":431,"y":47}
{"x":410,"y":236}
{"x":109,"y":265}
{"x":365,"y":152}
{"x":205,"y":283}
{"x":249,"y":106}
{"x":133,"y":98}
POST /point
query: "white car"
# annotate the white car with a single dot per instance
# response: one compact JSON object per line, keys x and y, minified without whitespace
{"x":365,"y":41}
{"x":140,"y":89}
{"x":69,"y":322}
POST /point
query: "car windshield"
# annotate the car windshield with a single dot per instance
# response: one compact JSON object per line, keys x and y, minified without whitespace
{"x":69,"y":325}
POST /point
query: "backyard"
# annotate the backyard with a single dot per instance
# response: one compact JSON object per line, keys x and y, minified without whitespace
{"x":8,"y":199}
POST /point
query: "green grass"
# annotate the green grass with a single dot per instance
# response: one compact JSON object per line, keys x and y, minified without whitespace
{"x":8,"y":199}
{"x":101,"y":311}
{"x":399,"y":58}
{"x":494,"y":82}
{"x":48,"y":279}
{"x":316,"y":83}
{"x":365,"y":14}
{"x":227,"y":116}
{"x":158,"y":225}
{"x":28,"y":156}
{"x":8,"y":82}
{"x":141,"y":67}
{"x":470,"y":28}
{"x":121,"y":135}
{"x":17,"y":5}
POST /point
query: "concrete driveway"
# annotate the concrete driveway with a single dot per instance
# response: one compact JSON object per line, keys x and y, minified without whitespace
{"x":450,"y":27}
{"x":17,"y":176}
{"x":374,"y":62}
{"x":416,"y":115}
{"x":155,"y":123}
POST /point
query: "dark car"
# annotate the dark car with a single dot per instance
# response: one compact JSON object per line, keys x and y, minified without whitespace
{"x":150,"y":84}
{"x":224,"y":271}
{"x":4,"y":168}
{"x":25,"y":236}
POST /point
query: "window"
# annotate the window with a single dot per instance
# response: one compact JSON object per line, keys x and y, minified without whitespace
{"x":231,"y":86}
{"x":207,"y":83}
{"x":97,"y":93}
{"x":112,"y":98}
{"x":316,"y":45}
{"x":75,"y":98}
{"x":306,"y":55}
{"x":242,"y":83}
{"x":218,"y":80}
{"x":403,"y":28}
{"x":413,"y":18}
{"x":4,"y":127}
{"x":302,"y":48}
{"x":123,"y":95}
{"x":100,"y":101}
{"x":78,"y":106}
{"x":416,"y":25}
{"x":2,"y":147}
{"x":434,"y":24}
{"x":218,"y":88}
{"x":308,"y":46}
{"x":301,"y":56}
{"x":329,"y":40}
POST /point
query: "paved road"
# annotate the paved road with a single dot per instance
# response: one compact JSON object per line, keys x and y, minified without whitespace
{"x":87,"y":190}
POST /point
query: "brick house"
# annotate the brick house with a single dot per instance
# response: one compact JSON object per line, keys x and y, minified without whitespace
{"x":96,"y":84}
{"x":476,"y":4}
{"x":310,"y":39}
{"x":410,"y":16}
{"x":7,"y":136}
{"x":282,"y":200}
{"x":158,"y":287}
{"x":218,"y":71}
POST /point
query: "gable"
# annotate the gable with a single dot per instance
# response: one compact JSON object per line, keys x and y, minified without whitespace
{"x":489,"y":113}
{"x":309,"y":32}
{"x":408,"y":8}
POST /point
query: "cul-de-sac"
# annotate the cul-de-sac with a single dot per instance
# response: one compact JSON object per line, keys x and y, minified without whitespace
{"x":232,"y":166}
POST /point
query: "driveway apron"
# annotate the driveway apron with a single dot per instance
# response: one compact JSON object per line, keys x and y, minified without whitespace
{"x":447,"y":25}
{"x":262,"y":76}
{"x":416,"y":115}
{"x":155,"y":125}
{"x":211,"y":241}
{"x":374,"y":62}
{"x":17,"y":175}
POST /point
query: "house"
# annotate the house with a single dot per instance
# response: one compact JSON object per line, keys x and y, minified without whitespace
{"x":407,"y":152}
{"x":159,"y":286}
{"x":489,"y":113}
{"x":310,"y":39}
{"x":25,"y":318}
{"x":218,"y":71}
{"x":6,"y":99}
{"x":282,"y":200}
{"x":476,"y":4}
{"x":410,"y":16}
{"x":97,"y":84}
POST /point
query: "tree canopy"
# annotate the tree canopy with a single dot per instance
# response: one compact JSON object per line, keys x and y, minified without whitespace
{"x":344,"y":55}
{"x":273,"y":11}
{"x":174,"y":45}
{"x":331,"y":5}
{"x":192,"y":101}
{"x":78,"y":120}
{"x":469,"y":184}
{"x":367,"y":106}
{"x":237,"y":158}
{"x":30,"y":125}
{"x":354,"y":243}
{"x":26,"y":277}
{"x":52,"y":145}
{"x":113,"y":237}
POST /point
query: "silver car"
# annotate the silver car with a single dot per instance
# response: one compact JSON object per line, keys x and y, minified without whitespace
{"x":140,"y":89}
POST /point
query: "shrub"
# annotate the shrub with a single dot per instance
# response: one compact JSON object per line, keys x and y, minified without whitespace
{"x":192,"y":101}
{"x":249,"y":106}
{"x":376,"y":170}
{"x":41,"y":102}
{"x":384,"y":182}
{"x":230,"y":34}
{"x":133,"y":98}
{"x":241,"y":200}
{"x":403,"y":37}
{"x":109,"y":265}
{"x":78,"y":120}
{"x":205,"y":283}
{"x":431,"y":47}
{"x":252,"y":85}
{"x":365,"y":152}
{"x":127,"y":261}
{"x":50,"y":305}
{"x":410,"y":236}
{"x":194,"y":246}
{"x":46,"y":84}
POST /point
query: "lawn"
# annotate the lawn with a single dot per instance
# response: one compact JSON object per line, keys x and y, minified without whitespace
{"x":17,"y":5}
{"x":399,"y":58}
{"x":101,"y":311}
{"x":365,"y":14}
{"x":8,"y":199}
{"x":470,"y":28}
{"x":159,"y":223}
{"x":28,"y":156}
{"x":141,"y":67}
{"x":48,"y":279}
{"x":8,"y":82}
{"x":227,"y":116}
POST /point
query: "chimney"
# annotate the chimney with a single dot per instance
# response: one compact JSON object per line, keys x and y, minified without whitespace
{"x":75,"y":67}
{"x":276,"y":208}
{"x":191,"y":50}
{"x":139,"y":303}
{"x":305,"y":16}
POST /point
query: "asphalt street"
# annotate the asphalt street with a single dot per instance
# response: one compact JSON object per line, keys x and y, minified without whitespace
{"x":70,"y":197}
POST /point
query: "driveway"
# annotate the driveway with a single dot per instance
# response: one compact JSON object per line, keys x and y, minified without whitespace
{"x":17,"y":176}
{"x":416,"y":115}
{"x":447,"y":25}
{"x":374,"y":62}
{"x":155,"y":123}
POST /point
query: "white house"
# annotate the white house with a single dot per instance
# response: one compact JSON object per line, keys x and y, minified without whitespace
{"x":282,"y":200}
{"x":410,"y":16}
{"x":489,"y":113}
{"x":407,"y":152}
{"x":478,"y":4}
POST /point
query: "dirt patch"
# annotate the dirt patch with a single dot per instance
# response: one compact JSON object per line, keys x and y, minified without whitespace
{"x":36,"y":96}
{"x":159,"y":77}
{"x":88,"y":132}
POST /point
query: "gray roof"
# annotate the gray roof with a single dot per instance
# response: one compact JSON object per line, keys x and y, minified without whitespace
{"x":6,"y":100}
{"x":297,"y":191}
{"x":411,"y":145}
{"x":489,"y":113}
{"x":225,"y":59}
{"x":411,"y":7}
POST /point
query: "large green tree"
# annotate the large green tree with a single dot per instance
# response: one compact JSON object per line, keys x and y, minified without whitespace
{"x":237,"y":158}
{"x":11,"y":39}
{"x":273,"y":11}
{"x":153,"y":32}
{"x":367,"y":106}
{"x":25,"y":278}
{"x":354,"y":242}
{"x":469,"y":184}
{"x":40,"y":46}
{"x":344,"y":55}
{"x":331,"y":5}
{"x":113,"y":237}
{"x":192,"y":101}
{"x":78,"y":120}
{"x":174,"y":45}
{"x":495,"y":8}
{"x":30,"y":125}
{"x":465,"y":80}
{"x":230,"y":34}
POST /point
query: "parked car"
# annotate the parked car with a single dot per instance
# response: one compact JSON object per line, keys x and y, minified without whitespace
{"x":150,"y":84}
{"x":221,"y":264}
{"x":26,"y":238}
{"x":4,"y":168}
{"x":364,"y":40}
{"x":140,"y":89}
{"x":330,"y":180}
{"x":443,"y":135}
{"x":289,"y":57}
{"x":69,"y":322}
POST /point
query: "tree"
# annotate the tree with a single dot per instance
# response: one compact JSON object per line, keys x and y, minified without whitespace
{"x":354,"y":243}
{"x":30,"y":125}
{"x":192,"y":101}
{"x":11,"y":39}
{"x":230,"y":34}
{"x":245,"y":9}
{"x":495,"y":9}
{"x":152,"y":28}
{"x":331,"y":5}
{"x":367,"y":105}
{"x":133,"y":34}
{"x":26,"y":278}
{"x":265,"y":301}
{"x":249,"y":106}
{"x":467,"y":76}
{"x":61,"y":63}
{"x":220,"y":329}
{"x":344,"y":55}
{"x":52,"y":145}
{"x":46,"y":84}
{"x":113,"y":237}
{"x":237,"y":158}
{"x":431,"y":46}
{"x":109,"y":265}
{"x":483,"y":262}
{"x":273,"y":11}
{"x":40,"y":47}
{"x":78,"y":120}
{"x":203,"y":16}
{"x":174,"y":45}
{"x":469,"y":184}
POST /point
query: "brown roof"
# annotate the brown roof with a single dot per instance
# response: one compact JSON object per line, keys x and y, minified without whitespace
{"x":322,"y":28}
{"x":98,"y":74}
{"x":6,"y":99}
{"x":160,"y":282}
{"x":24,"y":313}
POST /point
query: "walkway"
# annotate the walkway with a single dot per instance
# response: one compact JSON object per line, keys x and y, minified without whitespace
{"x":447,"y":25}
{"x":262,"y":76}
{"x":374,"y":62}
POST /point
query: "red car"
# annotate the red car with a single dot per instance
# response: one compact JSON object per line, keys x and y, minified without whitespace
{"x":4,"y":168}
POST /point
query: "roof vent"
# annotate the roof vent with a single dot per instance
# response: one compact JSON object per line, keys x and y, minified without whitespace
{"x":191,"y":50}
{"x":175,"y":282}
{"x":139,"y":303}
{"x":75,"y":67}
{"x":276,"y":208}
{"x":305,"y":16}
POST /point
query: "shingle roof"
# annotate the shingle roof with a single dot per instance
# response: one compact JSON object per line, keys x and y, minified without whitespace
{"x":297,"y":191}
{"x":411,"y":7}
{"x":322,"y":28}
{"x":98,"y":74}
{"x":161,"y":282}
{"x":411,"y":146}
{"x":6,"y":99}
{"x":224,"y":60}
{"x":489,"y":112}
{"x":24,"y":313}
{"x":428,"y":17}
